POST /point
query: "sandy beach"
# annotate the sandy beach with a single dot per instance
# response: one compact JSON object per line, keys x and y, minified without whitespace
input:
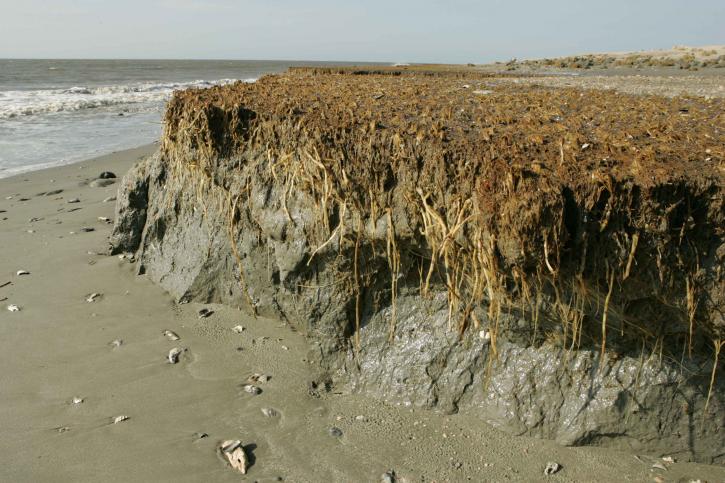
{"x":64,"y":380}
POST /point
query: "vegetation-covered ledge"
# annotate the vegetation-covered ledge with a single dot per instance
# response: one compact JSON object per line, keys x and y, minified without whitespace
{"x":551,"y":259}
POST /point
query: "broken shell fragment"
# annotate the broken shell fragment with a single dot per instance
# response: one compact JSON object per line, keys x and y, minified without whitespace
{"x":116,"y":343}
{"x":13,"y":308}
{"x":259,"y":378}
{"x":270,"y":412}
{"x":551,"y":468}
{"x":92,"y":297}
{"x":238,"y":329}
{"x":204,"y":313}
{"x":120,"y":419}
{"x":174,"y":355}
{"x":77,"y":400}
{"x":233,"y":451}
{"x":252,"y":389}
{"x":104,"y":219}
{"x":171,"y":335}
{"x":22,"y":272}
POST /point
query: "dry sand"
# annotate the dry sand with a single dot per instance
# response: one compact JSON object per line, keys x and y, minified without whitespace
{"x":57,"y":347}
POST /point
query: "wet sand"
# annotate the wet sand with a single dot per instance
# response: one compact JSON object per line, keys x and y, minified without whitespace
{"x":59,"y":346}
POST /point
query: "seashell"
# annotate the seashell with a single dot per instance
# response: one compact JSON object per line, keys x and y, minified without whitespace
{"x":204,"y":313}
{"x":284,"y":347}
{"x":77,"y":400}
{"x":13,"y":308}
{"x":252,"y":389}
{"x":87,"y":229}
{"x":238,"y":329}
{"x":388,"y":477}
{"x":104,"y":219}
{"x":22,"y":272}
{"x":233,"y":451}
{"x":74,"y":200}
{"x":585,"y":146}
{"x":258,"y":378}
{"x":171,"y":335}
{"x":92,"y":297}
{"x":62,"y":429}
{"x":110,"y":198}
{"x":116,"y":343}
{"x":551,"y":468}
{"x":120,"y":419}
{"x":668,"y":459}
{"x":270,"y":412}
{"x":174,"y":355}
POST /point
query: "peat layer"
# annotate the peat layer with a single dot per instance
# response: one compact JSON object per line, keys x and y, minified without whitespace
{"x":550,"y":259}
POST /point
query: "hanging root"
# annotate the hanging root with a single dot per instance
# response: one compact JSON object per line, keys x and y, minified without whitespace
{"x":718,"y":343}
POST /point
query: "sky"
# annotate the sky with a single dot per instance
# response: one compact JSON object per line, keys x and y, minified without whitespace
{"x":454,"y":31}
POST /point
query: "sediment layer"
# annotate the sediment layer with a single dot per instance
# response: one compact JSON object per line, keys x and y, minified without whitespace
{"x":549,"y":258}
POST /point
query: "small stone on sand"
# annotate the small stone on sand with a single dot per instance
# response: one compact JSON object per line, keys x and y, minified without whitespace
{"x":22,"y":272}
{"x":87,"y":229}
{"x":204,"y":313}
{"x":106,"y":175}
{"x":335,"y":432}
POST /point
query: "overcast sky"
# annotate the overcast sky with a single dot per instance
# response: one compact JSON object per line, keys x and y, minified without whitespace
{"x":374,"y":30}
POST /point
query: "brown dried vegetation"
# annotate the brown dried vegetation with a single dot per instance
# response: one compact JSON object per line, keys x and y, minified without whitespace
{"x":598,"y":213}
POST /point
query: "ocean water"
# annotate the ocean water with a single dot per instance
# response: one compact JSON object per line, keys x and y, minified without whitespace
{"x":55,"y":112}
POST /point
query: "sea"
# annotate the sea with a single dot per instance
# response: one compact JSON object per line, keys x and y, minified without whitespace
{"x":55,"y":112}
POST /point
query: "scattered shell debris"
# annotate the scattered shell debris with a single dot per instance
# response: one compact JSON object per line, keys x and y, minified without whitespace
{"x":234,"y":452}
{"x":551,"y":468}
{"x":171,"y":335}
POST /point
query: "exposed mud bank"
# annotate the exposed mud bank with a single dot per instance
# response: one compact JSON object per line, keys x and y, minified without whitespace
{"x":538,"y":260}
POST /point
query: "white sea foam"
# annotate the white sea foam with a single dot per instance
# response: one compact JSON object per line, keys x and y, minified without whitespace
{"x":14,"y":104}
